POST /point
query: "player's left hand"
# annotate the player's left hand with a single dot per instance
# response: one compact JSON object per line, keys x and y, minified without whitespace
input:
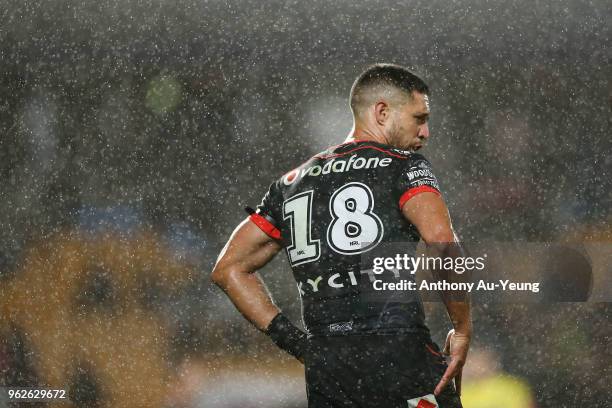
{"x":456,"y":346}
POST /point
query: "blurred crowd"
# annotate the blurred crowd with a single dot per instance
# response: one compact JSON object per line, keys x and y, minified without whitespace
{"x":133,"y":133}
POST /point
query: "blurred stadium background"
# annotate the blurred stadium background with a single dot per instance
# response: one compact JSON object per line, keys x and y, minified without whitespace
{"x":134,"y":132}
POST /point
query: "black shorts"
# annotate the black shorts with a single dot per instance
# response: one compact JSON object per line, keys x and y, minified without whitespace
{"x":375,"y":371}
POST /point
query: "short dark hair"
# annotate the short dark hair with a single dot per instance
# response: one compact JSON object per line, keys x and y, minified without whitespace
{"x":390,"y":75}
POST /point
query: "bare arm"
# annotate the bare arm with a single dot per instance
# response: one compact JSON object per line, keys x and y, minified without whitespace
{"x":247,"y":250}
{"x":428,"y":212}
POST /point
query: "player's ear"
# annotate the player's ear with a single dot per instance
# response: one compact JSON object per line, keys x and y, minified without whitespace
{"x":381,"y":112}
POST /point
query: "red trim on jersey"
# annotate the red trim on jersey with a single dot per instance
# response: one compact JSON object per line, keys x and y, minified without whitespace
{"x":360,"y":148}
{"x":411,"y":192}
{"x":265,"y":225}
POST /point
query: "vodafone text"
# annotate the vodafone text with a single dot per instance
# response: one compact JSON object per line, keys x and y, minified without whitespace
{"x":336,"y":166}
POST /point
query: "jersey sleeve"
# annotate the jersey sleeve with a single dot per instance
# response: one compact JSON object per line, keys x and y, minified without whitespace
{"x":266,"y":215}
{"x":416,"y":177}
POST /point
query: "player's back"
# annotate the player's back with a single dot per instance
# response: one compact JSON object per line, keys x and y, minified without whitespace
{"x":334,"y":214}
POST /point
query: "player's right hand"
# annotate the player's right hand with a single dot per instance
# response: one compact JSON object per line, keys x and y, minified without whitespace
{"x":287,"y":336}
{"x":456,"y":346}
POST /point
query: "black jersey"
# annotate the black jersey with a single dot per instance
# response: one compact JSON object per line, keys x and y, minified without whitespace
{"x":333,"y":214}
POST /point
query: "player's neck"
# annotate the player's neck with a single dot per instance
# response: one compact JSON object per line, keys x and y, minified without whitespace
{"x":363,"y":134}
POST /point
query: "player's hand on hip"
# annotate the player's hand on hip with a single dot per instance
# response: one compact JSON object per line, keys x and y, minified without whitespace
{"x":456,"y":346}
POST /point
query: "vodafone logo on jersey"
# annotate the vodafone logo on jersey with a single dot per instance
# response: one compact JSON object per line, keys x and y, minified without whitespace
{"x":291,"y":177}
{"x":336,"y":166}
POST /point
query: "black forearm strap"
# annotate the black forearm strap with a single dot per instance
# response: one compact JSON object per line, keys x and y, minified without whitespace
{"x":287,"y":336}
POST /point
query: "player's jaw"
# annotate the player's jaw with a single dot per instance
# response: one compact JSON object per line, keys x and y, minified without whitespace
{"x":420,"y":143}
{"x":411,"y":123}
{"x":406,"y":135}
{"x":417,"y":144}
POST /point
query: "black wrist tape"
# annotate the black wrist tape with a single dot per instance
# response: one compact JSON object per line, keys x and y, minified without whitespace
{"x":287,"y":336}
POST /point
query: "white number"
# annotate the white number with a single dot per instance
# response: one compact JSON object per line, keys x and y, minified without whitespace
{"x":303,"y":248}
{"x":354,"y":228}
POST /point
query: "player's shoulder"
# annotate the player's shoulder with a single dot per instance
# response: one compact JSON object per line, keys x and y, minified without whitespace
{"x":418,"y":160}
